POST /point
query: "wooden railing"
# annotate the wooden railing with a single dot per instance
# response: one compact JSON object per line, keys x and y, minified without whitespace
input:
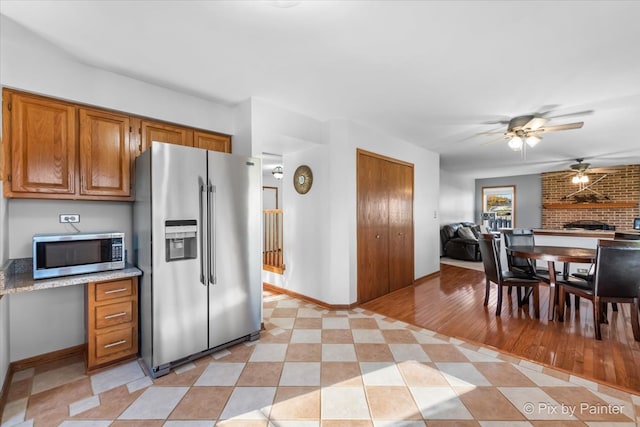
{"x":272,"y":259}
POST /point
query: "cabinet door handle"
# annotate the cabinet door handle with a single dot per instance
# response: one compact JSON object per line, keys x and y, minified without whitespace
{"x":112,"y":316}
{"x":113,"y":344}
{"x":377,"y":236}
{"x":115,"y":291}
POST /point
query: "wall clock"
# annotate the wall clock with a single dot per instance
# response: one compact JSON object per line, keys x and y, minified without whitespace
{"x":302,"y":179}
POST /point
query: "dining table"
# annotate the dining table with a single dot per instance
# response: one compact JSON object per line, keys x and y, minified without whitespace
{"x":553,"y":254}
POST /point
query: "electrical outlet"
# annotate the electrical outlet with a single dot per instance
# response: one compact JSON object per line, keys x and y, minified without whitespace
{"x":64,"y":218}
{"x":582,"y":270}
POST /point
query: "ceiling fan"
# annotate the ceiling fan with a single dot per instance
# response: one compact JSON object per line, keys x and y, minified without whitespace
{"x":580,"y":171}
{"x":580,"y":168}
{"x":580,"y":178}
{"x":528,"y":129}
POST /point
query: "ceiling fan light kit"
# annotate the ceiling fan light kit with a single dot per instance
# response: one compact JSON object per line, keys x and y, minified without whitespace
{"x":515,"y":143}
{"x":532,"y":140}
{"x":577,"y":179}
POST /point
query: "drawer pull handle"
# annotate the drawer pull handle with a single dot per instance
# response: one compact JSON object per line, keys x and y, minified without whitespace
{"x":113,"y":344}
{"x":112,"y":316}
{"x":115,"y":291}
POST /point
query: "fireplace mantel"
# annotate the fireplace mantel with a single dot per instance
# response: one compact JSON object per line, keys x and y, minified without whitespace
{"x":603,"y":205}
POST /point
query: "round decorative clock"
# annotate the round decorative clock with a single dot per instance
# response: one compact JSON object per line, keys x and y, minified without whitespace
{"x":302,"y":179}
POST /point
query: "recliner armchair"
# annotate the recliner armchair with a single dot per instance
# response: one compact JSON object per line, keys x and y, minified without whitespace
{"x":459,"y":247}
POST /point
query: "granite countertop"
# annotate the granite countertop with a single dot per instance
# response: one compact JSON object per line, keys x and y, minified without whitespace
{"x":16,"y":276}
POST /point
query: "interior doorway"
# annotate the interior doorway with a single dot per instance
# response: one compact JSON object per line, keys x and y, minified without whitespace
{"x":272,"y":214}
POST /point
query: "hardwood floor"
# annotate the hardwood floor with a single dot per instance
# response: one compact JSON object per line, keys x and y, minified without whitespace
{"x":451,"y":304}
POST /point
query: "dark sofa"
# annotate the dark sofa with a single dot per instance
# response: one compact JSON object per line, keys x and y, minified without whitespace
{"x":460,"y":247}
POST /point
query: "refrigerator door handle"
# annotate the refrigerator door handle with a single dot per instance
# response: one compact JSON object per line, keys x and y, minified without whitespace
{"x":201,"y":185}
{"x":211,"y":238}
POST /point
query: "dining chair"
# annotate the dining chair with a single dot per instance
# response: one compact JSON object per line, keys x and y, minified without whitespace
{"x":525,"y":237}
{"x":494,"y":273}
{"x":588,"y":276}
{"x":615,"y":279}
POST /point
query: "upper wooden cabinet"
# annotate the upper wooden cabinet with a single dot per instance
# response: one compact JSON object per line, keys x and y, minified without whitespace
{"x":105,"y":153}
{"x":60,"y":150}
{"x":181,"y":135}
{"x":40,"y":152}
{"x":212,"y":141}
{"x":163,"y":132}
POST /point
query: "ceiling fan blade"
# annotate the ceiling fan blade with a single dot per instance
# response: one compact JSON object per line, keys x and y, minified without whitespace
{"x":604,"y":170}
{"x":491,"y":133}
{"x":535,"y":123}
{"x":496,"y":122}
{"x":545,"y":110}
{"x":577,"y":113}
{"x":493,"y":141}
{"x":567,"y":126}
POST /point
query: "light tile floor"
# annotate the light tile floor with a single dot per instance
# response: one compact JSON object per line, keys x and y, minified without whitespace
{"x":314,"y":367}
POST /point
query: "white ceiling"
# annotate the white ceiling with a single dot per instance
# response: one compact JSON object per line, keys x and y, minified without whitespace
{"x":430,"y":72}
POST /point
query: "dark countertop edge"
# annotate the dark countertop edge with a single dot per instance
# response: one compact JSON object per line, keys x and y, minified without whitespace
{"x":12,"y":282}
{"x":575,"y":233}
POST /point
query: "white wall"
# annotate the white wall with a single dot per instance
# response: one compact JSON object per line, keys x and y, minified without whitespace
{"x":456,"y":198}
{"x":30,"y":63}
{"x":277,"y":130}
{"x":45,"y":321}
{"x":305,"y":224}
{"x":28,"y":217}
{"x":241,"y":142}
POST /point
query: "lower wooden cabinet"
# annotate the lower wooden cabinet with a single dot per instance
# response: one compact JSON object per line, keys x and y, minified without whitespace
{"x":112,"y":321}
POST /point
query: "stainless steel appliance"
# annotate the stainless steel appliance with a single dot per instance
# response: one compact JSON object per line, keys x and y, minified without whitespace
{"x":197,"y":224}
{"x":56,"y":255}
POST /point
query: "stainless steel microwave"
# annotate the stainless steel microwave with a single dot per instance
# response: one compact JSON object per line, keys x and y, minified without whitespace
{"x":68,"y":254}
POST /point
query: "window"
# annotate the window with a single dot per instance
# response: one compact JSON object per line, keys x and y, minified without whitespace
{"x":498,"y":207}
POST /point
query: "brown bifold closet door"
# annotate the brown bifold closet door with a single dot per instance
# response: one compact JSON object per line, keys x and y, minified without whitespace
{"x":385,"y":225}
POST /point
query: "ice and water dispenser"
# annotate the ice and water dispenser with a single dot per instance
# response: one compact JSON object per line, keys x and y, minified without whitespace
{"x":180,"y":238}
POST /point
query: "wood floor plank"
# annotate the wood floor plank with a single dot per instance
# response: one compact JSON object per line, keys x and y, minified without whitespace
{"x":452,"y":304}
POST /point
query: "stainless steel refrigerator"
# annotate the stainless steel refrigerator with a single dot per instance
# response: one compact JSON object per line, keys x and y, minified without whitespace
{"x":197,"y":240}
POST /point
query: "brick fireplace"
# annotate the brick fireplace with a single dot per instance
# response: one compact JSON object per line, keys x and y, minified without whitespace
{"x":611,"y":196}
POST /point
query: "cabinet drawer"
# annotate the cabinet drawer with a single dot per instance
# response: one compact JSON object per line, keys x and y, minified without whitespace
{"x":122,"y":341}
{"x":114,"y":314}
{"x":115,"y":289}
